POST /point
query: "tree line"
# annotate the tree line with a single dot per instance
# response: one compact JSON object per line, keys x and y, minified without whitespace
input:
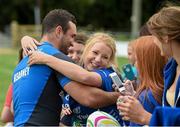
{"x":93,"y":14}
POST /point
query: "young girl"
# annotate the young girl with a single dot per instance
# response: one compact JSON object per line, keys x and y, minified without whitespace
{"x":98,"y":56}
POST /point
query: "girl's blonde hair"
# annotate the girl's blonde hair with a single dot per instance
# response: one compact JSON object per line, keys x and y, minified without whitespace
{"x":100,"y":38}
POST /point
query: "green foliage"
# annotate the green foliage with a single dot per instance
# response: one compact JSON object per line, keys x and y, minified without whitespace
{"x":110,"y":14}
{"x":99,"y":14}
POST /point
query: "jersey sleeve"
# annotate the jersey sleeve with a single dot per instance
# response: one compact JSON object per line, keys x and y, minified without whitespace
{"x":106,"y":80}
{"x":63,"y":80}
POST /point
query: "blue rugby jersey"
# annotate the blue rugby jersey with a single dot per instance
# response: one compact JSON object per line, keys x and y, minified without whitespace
{"x":167,"y":115}
{"x":36,"y":89}
{"x":80,"y":112}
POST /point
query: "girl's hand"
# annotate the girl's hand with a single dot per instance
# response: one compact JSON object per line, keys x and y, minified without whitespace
{"x":37,"y":57}
{"x":129,"y":89}
{"x":29,"y":44}
{"x":131,"y":109}
{"x":66,"y":111}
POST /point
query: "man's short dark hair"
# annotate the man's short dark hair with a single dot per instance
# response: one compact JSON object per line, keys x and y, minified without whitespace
{"x":57,"y":17}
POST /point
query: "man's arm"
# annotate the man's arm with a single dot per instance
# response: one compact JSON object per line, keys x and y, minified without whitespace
{"x":6,"y":114}
{"x":90,"y":96}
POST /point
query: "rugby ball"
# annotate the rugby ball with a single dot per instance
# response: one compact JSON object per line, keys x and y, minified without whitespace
{"x":101,"y":119}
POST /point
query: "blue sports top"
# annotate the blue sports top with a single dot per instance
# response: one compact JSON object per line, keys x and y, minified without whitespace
{"x":169,"y":76}
{"x":148,"y":102}
{"x":167,"y":115}
{"x":36,"y":89}
{"x":81,"y":113}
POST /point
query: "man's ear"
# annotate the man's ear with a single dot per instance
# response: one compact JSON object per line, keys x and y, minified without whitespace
{"x":58,"y":30}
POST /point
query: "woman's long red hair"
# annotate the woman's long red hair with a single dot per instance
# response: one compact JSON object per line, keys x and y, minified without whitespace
{"x":150,"y":66}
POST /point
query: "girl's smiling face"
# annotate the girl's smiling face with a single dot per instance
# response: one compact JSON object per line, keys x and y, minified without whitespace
{"x":98,"y":56}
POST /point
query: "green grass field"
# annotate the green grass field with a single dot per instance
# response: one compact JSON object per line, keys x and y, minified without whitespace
{"x":8,"y":61}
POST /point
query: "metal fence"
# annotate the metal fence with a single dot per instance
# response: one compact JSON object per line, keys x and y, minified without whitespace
{"x":18,"y":31}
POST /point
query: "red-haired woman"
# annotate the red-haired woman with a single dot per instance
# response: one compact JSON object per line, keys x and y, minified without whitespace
{"x":150,"y":64}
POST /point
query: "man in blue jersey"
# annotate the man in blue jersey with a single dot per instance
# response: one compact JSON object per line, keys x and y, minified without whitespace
{"x":36,"y":89}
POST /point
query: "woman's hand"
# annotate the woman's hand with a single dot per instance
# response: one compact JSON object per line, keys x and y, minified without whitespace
{"x":37,"y":57}
{"x":29,"y":44}
{"x":129,"y":89}
{"x":131,"y":109}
